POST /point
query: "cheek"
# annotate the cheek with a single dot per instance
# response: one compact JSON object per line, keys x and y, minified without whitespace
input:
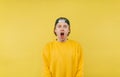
{"x":67,"y":30}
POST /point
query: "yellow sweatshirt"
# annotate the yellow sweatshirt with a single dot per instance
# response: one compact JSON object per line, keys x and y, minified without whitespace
{"x":62,"y":59}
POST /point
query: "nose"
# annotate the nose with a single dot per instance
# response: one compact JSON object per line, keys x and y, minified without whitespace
{"x":62,"y":29}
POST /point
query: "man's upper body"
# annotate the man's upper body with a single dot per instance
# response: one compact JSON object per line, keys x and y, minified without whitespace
{"x":62,"y":59}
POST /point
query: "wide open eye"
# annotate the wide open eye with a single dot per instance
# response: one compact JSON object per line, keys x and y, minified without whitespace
{"x":65,"y":26}
{"x":58,"y":26}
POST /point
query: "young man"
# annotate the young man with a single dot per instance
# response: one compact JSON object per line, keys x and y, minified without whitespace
{"x":62,"y":57}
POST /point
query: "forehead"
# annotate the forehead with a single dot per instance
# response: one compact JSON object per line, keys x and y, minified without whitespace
{"x":62,"y":23}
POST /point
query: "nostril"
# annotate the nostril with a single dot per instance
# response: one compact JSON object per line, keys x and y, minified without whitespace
{"x":62,"y":30}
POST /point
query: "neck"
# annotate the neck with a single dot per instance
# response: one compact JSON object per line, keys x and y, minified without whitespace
{"x":61,"y":40}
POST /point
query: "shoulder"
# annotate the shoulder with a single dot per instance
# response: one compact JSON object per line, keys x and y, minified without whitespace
{"x":46,"y":48}
{"x":48,"y":44}
{"x":74,"y":42}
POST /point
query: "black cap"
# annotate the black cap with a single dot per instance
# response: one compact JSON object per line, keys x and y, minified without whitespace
{"x":62,"y":19}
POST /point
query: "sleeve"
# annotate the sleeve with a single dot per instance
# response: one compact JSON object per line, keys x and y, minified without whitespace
{"x":80,"y":63}
{"x":45,"y":63}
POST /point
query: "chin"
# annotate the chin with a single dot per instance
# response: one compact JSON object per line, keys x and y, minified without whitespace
{"x":63,"y":39}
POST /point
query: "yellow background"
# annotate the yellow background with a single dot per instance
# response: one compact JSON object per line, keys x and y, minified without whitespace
{"x":27,"y":25}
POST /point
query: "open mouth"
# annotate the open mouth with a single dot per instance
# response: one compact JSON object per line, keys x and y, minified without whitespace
{"x":62,"y":34}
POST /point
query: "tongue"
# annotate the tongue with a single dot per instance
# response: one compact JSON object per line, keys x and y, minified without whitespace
{"x":62,"y":35}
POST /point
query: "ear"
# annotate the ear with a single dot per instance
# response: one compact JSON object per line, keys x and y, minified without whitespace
{"x":68,"y":30}
{"x":55,"y":30}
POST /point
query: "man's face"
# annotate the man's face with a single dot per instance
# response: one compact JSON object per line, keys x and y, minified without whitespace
{"x":62,"y":29}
